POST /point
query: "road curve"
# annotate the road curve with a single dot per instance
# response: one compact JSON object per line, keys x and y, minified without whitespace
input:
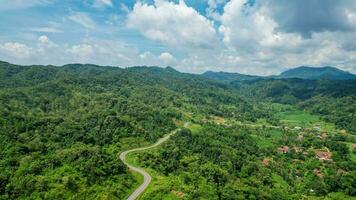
{"x":146,"y":177}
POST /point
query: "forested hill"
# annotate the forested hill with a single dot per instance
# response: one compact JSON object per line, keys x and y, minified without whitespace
{"x":304,"y":72}
{"x":153,"y":93}
{"x":229,"y":77}
{"x":62,"y":127}
{"x":328,"y":92}
{"x":315,"y":73}
{"x":333,"y":100}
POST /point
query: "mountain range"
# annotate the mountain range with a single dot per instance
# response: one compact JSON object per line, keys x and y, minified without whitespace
{"x":303,"y":72}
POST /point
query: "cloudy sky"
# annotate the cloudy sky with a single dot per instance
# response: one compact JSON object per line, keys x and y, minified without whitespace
{"x":248,"y":36}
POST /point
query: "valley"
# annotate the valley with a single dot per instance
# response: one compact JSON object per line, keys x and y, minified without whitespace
{"x":64,"y":129}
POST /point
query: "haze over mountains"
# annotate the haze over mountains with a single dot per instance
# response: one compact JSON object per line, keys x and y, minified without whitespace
{"x":303,"y":72}
{"x":313,"y":73}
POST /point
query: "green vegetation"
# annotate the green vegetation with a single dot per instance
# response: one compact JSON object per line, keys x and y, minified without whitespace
{"x":332,"y":100}
{"x":62,"y":129}
{"x":220,"y":162}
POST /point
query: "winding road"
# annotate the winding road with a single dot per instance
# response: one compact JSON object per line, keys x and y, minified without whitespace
{"x":146,"y":176}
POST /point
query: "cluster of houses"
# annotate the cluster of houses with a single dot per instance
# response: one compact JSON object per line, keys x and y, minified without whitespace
{"x":321,"y":154}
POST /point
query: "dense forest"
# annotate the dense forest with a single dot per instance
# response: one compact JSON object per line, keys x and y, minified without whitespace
{"x":219,"y":162}
{"x":62,"y":129}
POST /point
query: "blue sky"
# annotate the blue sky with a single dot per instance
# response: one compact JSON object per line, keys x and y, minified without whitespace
{"x":246,"y":36}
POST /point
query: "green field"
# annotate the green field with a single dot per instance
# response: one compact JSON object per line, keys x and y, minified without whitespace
{"x":298,"y":118}
{"x":303,"y":119}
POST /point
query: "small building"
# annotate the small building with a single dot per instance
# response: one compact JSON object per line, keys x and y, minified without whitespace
{"x":297,"y":149}
{"x":323,"y":155}
{"x":297,"y":128}
{"x":284,"y":149}
{"x":266,"y":161}
{"x":300,"y":137}
{"x":318,"y":173}
{"x":318,"y":128}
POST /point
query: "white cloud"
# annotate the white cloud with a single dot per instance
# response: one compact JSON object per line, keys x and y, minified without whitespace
{"x":252,"y":34}
{"x":251,"y":29}
{"x":22,"y":4}
{"x":82,"y":50}
{"x":83,"y":19}
{"x":44,"y":42}
{"x":149,"y":59}
{"x":124,"y":8}
{"x":15,"y":50}
{"x":167,"y":58}
{"x":351,"y":16}
{"x":43,"y":39}
{"x":172,"y":24}
{"x":102,"y":3}
{"x":211,"y":10}
{"x":44,"y":51}
{"x":45,"y":30}
{"x":146,"y":55}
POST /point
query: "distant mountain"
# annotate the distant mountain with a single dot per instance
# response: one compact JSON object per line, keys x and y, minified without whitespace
{"x":315,"y":73}
{"x":228,"y":77}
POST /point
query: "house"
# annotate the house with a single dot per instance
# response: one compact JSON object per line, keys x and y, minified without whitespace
{"x":284,"y":149}
{"x":297,"y":149}
{"x":297,"y":128}
{"x":340,"y":172}
{"x":266,"y":161}
{"x":318,"y":173}
{"x":323,"y":155}
{"x":178,"y":193}
{"x":318,"y":128}
{"x":300,"y":137}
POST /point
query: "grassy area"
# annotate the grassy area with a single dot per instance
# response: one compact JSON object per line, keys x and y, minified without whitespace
{"x":195,"y":128}
{"x":298,"y":117}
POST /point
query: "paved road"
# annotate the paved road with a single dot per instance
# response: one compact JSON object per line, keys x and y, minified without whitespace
{"x":146,"y":177}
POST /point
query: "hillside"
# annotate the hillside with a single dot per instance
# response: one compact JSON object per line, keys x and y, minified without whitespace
{"x":308,"y":73}
{"x":314,"y":73}
{"x":62,"y":127}
{"x":333,"y":100}
{"x":228,"y":77}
